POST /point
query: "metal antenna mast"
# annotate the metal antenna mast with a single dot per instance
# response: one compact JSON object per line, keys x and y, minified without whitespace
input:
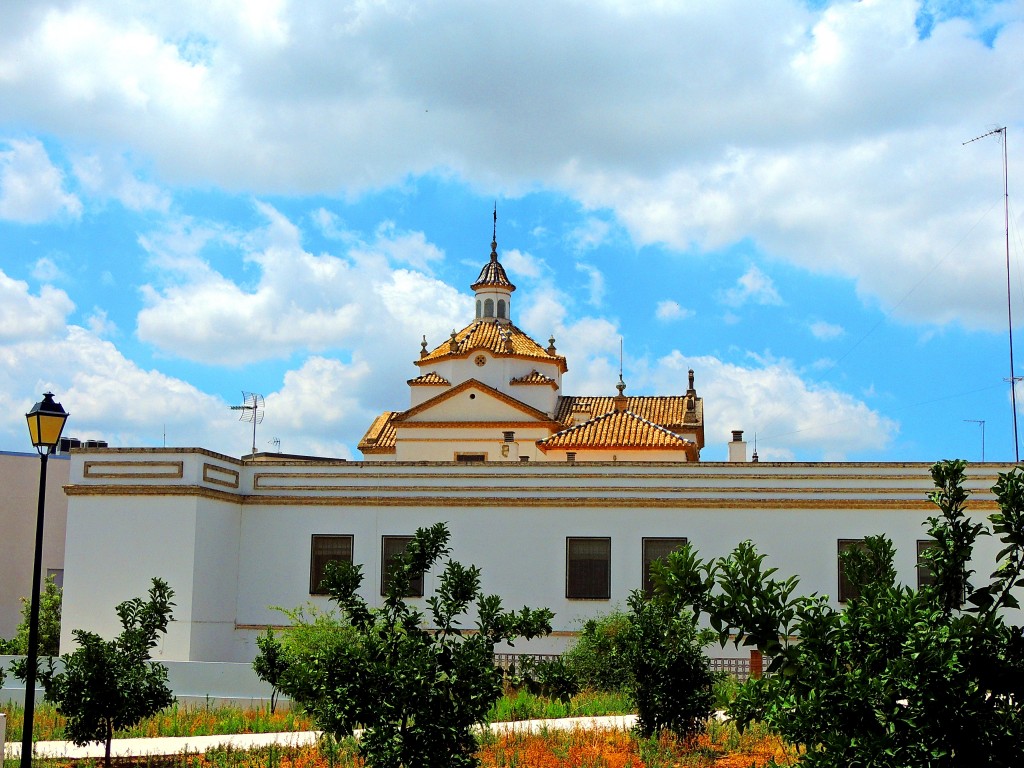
{"x":982,"y":423}
{"x":1009,"y":312}
{"x":252,"y":411}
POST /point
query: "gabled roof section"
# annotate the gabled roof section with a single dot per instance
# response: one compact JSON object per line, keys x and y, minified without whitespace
{"x":527,"y":410}
{"x":431,"y":379}
{"x":535,"y":378}
{"x":380,"y":437}
{"x":618,"y":430}
{"x":500,"y":339}
{"x":669,"y":411}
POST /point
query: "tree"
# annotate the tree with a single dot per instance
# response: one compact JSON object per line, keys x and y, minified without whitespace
{"x":416,"y":692}
{"x":671,"y":681}
{"x":107,"y":685}
{"x":902,"y":677}
{"x":270,"y":664}
{"x":49,"y":623}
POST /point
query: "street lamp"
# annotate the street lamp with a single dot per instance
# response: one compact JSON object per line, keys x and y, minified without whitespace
{"x":45,"y":423}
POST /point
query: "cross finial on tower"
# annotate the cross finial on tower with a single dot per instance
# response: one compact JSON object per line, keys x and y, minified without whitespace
{"x":494,"y":234}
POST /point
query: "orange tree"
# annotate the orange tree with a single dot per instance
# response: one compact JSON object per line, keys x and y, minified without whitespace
{"x":415,"y":691}
{"x":902,"y":677}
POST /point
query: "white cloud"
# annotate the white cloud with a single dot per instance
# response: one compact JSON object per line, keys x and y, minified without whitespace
{"x":669,"y":310}
{"x":589,"y":235}
{"x":790,"y":415}
{"x":522,"y":264}
{"x":31,"y":187}
{"x":24,"y":316}
{"x":46,"y":270}
{"x":828,"y":137}
{"x":298,"y":301}
{"x":111,"y":178}
{"x":99,"y":324}
{"x":752,"y":286}
{"x":108,"y":396}
{"x":595,"y":284}
{"x":826,"y":331}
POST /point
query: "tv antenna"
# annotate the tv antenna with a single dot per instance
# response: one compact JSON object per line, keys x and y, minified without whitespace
{"x":1001,"y":132}
{"x":276,"y":442}
{"x":980,"y":422}
{"x":252,"y":411}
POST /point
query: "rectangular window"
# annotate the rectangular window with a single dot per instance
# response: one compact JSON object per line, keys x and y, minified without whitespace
{"x":470,"y":457}
{"x":656,"y":548}
{"x":326,"y":549}
{"x":847,"y":589}
{"x":588,"y":568}
{"x":392,"y":547}
{"x":570,"y":456}
{"x":925,"y":575}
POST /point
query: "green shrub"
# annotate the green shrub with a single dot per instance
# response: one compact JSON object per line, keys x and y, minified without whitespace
{"x":107,"y":685}
{"x":49,"y":624}
{"x":416,"y":692}
{"x":900,"y":677}
{"x":596,"y":659}
{"x":672,"y":684}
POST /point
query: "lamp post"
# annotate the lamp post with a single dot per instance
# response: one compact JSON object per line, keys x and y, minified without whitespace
{"x":45,"y":423}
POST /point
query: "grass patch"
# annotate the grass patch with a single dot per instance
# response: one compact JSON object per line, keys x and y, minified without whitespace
{"x":192,"y":720}
{"x":521,"y":705}
{"x":721,"y":747}
{"x":176,"y":720}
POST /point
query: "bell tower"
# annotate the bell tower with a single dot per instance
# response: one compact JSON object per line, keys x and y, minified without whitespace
{"x":493,"y":289}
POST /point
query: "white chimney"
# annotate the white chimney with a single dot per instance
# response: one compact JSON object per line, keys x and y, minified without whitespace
{"x":738,"y":447}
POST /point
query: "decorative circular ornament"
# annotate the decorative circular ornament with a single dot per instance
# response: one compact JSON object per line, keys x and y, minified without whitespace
{"x":480,"y":360}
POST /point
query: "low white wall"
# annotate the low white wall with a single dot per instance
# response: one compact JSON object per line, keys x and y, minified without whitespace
{"x":193,"y":682}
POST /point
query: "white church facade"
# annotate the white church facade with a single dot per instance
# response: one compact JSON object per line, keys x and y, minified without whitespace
{"x":562,"y":500}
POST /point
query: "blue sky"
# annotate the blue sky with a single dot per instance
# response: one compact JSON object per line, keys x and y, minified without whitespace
{"x":285,"y":198}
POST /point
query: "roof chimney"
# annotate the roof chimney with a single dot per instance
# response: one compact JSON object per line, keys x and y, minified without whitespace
{"x":738,"y":447}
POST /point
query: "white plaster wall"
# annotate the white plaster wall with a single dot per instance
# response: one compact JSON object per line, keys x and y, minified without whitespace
{"x":217,"y":537}
{"x":116,"y":545}
{"x":540,"y":396}
{"x":19,"y":502}
{"x":522,"y":550}
{"x":422,"y":392}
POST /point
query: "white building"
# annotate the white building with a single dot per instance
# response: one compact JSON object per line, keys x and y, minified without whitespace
{"x":562,"y":501}
{"x":19,"y":479}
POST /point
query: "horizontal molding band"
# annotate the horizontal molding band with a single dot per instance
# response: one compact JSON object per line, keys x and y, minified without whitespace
{"x":490,"y":501}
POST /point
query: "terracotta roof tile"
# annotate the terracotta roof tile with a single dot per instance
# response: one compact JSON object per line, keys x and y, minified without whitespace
{"x":498,"y":338}
{"x":666,"y":410}
{"x":429,"y":379}
{"x":618,"y":429}
{"x":493,"y":274}
{"x":534,"y":377}
{"x":380,"y":437}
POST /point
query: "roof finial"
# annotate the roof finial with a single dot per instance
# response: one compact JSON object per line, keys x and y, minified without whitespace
{"x":494,"y":234}
{"x":423,"y":347}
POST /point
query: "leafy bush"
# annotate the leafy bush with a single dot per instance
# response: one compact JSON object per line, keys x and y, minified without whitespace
{"x":49,"y":624}
{"x":108,"y":685}
{"x":672,"y":684}
{"x":416,"y":692}
{"x":901,"y":677}
{"x":596,"y":659}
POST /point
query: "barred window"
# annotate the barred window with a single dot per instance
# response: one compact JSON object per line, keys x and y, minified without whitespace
{"x":392,"y":547}
{"x":847,"y":589}
{"x":326,"y":549}
{"x":588,"y":568}
{"x":925,"y":575}
{"x":657,"y":548}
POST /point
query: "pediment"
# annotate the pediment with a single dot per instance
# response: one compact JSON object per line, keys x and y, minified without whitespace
{"x":473,"y":401}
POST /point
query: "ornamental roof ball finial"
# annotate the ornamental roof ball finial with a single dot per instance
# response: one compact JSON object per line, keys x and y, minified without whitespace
{"x":423,"y":347}
{"x":551,"y":346}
